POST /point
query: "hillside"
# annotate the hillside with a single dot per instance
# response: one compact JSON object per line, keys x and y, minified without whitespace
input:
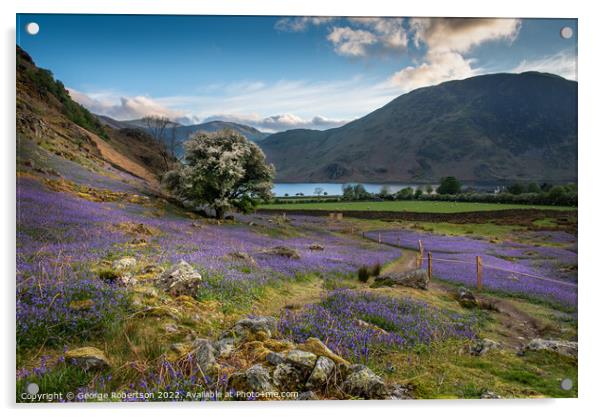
{"x":490,"y":127}
{"x":50,"y":121}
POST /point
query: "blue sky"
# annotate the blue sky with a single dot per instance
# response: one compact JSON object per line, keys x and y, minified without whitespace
{"x":277,"y":73}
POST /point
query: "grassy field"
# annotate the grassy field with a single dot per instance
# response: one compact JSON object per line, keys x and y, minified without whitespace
{"x":412,"y":206}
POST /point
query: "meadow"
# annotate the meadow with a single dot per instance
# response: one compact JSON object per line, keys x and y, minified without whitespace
{"x":409,"y":206}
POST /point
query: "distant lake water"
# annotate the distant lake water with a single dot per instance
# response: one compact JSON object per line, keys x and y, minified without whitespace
{"x":308,"y":189}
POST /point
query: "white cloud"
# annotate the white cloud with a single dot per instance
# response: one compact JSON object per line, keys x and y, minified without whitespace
{"x":563,"y":63}
{"x":300,"y":24}
{"x":352,"y":42}
{"x":279,"y":122}
{"x":369,"y":36}
{"x":461,"y":34}
{"x":125,"y":108}
{"x":438,"y":67}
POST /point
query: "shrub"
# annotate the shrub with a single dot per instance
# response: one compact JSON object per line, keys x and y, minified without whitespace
{"x":449,"y":185}
{"x":363,"y":274}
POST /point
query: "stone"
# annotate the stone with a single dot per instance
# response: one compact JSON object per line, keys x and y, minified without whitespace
{"x":466,"y":298}
{"x":87,"y":358}
{"x":318,"y":348}
{"x":371,"y":326}
{"x":126,"y":279}
{"x":399,"y":392}
{"x":242,"y":256}
{"x":204,"y":353}
{"x":224,"y":347}
{"x":490,"y":395}
{"x":321,"y":373}
{"x":301,"y":359}
{"x":307,"y":396}
{"x":255,"y":379}
{"x":252,"y":328}
{"x":417,"y":278}
{"x":283,"y":251}
{"x":182,"y":279}
{"x":482,"y":346}
{"x":562,"y":347}
{"x":287,"y":377}
{"x":125,"y":264}
{"x":316,"y":246}
{"x":275,"y":358}
{"x":362,"y":382}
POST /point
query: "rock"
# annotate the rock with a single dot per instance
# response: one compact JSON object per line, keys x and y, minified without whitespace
{"x":283,"y":251}
{"x":205,"y":355}
{"x":278,"y":345}
{"x":87,"y":358}
{"x":321,"y":373}
{"x":318,"y":348}
{"x":362,"y":382}
{"x":490,"y":395}
{"x":417,"y":278}
{"x":399,"y":392}
{"x":79,"y":305}
{"x":307,"y":396}
{"x":466,"y":298}
{"x":182,"y":279}
{"x":254,"y":379}
{"x":371,"y":326}
{"x":126,"y":279}
{"x":316,"y":246}
{"x":275,"y":358}
{"x":562,"y":347}
{"x":287,"y":377}
{"x":482,"y":346}
{"x":171,"y":328}
{"x":242,"y":256}
{"x":125,"y":264}
{"x":252,"y":328}
{"x":224,"y":347}
{"x":301,"y":359}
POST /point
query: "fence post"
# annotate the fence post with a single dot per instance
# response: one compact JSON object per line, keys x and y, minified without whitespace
{"x":430,"y":266}
{"x":479,"y":273}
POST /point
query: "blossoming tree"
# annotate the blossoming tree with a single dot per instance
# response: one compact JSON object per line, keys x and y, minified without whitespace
{"x":221,"y":170}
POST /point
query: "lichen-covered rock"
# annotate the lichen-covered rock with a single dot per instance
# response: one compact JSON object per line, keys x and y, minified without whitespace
{"x":182,"y":279}
{"x":318,"y":348}
{"x":321,"y":373}
{"x":283,"y":251}
{"x":288,"y":377}
{"x":362,"y":382}
{"x":466,"y":298}
{"x":126,"y":263}
{"x":204,"y":353}
{"x":224,"y":347}
{"x":302,"y":360}
{"x":562,"y":347}
{"x":481,"y":346}
{"x":255,"y":379}
{"x":87,"y":358}
{"x":417,"y":278}
{"x":275,"y":358}
{"x":316,"y":246}
{"x":252,"y":328}
{"x":398,"y":392}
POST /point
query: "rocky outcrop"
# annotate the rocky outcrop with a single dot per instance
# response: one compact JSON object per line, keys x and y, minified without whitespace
{"x":562,"y":347}
{"x":481,"y":346}
{"x":466,"y":298}
{"x":282,"y":251}
{"x":182,"y":279}
{"x":362,"y":382}
{"x":417,"y":278}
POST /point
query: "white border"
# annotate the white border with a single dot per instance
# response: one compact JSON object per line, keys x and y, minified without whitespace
{"x":589,"y":183}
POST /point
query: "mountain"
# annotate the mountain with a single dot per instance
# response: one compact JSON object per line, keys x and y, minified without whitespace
{"x":485,"y":128}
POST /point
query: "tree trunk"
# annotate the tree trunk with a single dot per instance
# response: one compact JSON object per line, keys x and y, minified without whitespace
{"x":219,"y":213}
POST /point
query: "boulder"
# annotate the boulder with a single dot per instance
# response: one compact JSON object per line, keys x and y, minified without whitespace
{"x":481,"y":346}
{"x":316,"y":246}
{"x":362,"y":382}
{"x":399,"y":392}
{"x":288,"y":378}
{"x":283,"y":251}
{"x":417,"y":278}
{"x":252,"y":328}
{"x":301,"y":359}
{"x":242,"y":256}
{"x":562,"y":347}
{"x":125,"y":264}
{"x":466,"y":298}
{"x":275,"y":358}
{"x":224,"y":347}
{"x":204,"y":353}
{"x":182,"y":279}
{"x":87,"y":358}
{"x":254,"y":379}
{"x":321,"y":373}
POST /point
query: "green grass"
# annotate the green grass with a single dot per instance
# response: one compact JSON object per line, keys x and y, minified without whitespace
{"x":410,"y":205}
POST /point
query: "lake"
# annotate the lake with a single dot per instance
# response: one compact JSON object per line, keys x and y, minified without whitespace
{"x":308,"y":189}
